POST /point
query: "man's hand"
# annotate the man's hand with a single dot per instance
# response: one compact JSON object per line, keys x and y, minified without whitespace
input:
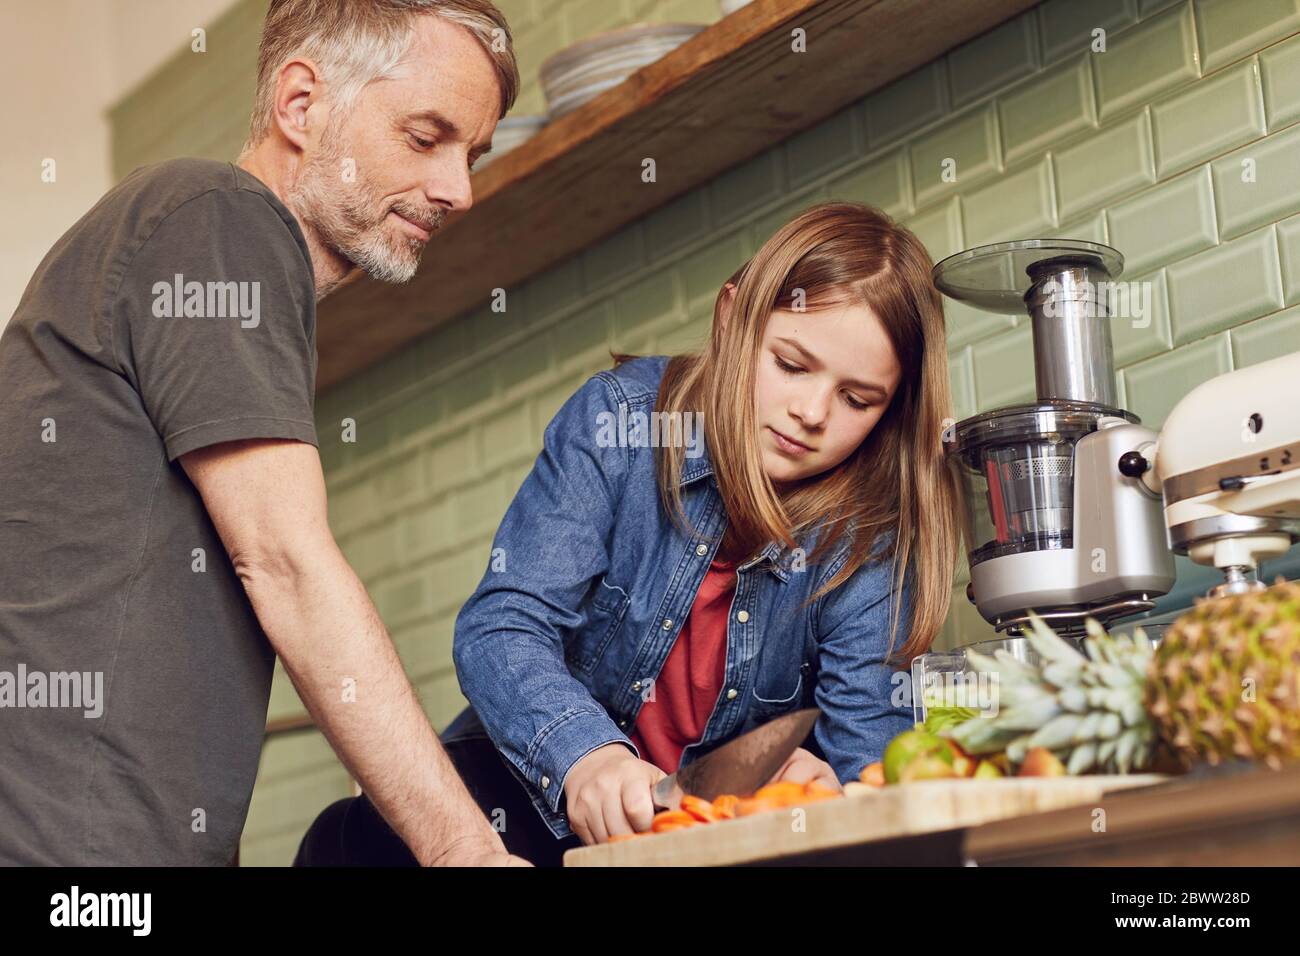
{"x":802,"y":767}
{"x":608,"y":792}
{"x":471,"y":851}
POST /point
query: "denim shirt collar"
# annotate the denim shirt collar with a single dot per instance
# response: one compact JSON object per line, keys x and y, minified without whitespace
{"x":775,"y":557}
{"x":693,"y":469}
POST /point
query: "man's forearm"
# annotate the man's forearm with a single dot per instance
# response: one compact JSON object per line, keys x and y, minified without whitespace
{"x":335,"y":649}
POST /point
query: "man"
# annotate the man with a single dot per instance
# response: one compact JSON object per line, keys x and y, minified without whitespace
{"x":163,"y":528}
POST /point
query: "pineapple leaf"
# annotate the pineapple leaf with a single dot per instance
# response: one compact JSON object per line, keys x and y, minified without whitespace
{"x":1050,"y":645}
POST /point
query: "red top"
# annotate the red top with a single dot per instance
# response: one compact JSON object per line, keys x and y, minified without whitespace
{"x":686,"y":690}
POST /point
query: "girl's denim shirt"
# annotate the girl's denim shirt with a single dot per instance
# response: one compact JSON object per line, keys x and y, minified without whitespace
{"x":588,"y":583}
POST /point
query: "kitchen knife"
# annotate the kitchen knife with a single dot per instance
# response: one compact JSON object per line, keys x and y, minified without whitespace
{"x":739,"y":766}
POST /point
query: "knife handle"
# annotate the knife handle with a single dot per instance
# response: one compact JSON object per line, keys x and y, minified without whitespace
{"x":666,"y":794}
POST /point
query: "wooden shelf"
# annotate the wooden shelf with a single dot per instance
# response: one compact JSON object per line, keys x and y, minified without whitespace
{"x":725,"y":95}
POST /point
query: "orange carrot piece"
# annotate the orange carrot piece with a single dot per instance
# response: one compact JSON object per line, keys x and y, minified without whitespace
{"x":785,"y":793}
{"x":724,"y":806}
{"x":756,"y":804}
{"x":814,"y":791}
{"x":672,"y":818}
{"x":873,"y":774}
{"x":699,"y":808}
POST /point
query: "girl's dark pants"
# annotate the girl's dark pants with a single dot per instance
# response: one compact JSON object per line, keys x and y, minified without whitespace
{"x":350,"y":832}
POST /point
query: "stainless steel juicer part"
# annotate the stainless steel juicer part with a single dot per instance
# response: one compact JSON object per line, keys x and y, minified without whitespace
{"x":1039,"y":482}
{"x":1063,"y":284}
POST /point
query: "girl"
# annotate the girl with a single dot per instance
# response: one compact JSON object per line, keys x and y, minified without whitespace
{"x":651,"y":596}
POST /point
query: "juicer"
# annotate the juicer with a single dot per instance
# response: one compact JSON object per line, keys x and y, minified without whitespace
{"x":1051,"y":518}
{"x":1069,"y":505}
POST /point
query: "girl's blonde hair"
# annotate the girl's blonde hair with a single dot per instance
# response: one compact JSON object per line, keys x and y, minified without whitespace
{"x":836,"y":253}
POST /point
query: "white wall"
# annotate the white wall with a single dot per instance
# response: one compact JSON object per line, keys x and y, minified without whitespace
{"x":63,"y":63}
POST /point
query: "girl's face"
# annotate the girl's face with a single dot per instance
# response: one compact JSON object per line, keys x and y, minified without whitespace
{"x":823,"y":380}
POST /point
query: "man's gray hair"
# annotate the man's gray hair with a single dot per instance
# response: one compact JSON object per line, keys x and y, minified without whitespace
{"x":355,"y":42}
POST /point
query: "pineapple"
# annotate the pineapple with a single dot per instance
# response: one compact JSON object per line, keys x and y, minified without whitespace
{"x":1223,"y":684}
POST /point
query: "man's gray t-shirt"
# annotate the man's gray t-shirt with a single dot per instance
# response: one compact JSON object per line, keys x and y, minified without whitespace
{"x":179,"y":312}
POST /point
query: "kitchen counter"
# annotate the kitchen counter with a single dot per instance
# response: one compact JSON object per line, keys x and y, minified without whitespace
{"x":1209,"y":818}
{"x":1234,"y":817}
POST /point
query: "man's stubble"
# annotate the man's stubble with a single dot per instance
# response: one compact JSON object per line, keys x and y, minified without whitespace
{"x":350,"y":219}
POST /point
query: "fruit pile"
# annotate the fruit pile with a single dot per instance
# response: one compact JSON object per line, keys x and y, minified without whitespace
{"x":922,"y":754}
{"x":695,"y":810}
{"x":1224,"y":684}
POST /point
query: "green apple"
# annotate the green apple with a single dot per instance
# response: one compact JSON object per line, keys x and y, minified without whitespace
{"x":909,"y":745}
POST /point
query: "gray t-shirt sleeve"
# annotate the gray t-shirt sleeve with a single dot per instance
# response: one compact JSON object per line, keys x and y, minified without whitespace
{"x":214,"y":324}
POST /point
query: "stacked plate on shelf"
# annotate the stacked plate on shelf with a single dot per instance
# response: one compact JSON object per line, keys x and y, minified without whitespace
{"x":510,"y":132}
{"x":587,"y":68}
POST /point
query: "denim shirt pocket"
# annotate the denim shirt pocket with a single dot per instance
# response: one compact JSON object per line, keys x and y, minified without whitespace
{"x":769,"y":702}
{"x":606,"y":608}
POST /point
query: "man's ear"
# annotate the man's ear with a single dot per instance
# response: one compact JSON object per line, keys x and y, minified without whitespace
{"x":728,"y":300}
{"x":296,"y":91}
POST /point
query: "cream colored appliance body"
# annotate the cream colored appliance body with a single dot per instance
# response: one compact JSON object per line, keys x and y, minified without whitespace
{"x":1227,"y":464}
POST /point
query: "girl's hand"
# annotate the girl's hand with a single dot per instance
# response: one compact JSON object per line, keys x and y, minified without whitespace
{"x":802,"y":767}
{"x":608,"y":792}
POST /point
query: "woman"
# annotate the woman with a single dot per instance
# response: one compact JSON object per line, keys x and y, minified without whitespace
{"x":657,"y":588}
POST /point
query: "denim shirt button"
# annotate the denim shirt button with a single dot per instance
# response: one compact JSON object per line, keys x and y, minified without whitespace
{"x":731,"y":694}
{"x":623,"y":722}
{"x":701,"y":549}
{"x":742,"y":617}
{"x":636,"y":685}
{"x":546,"y":782}
{"x":668,"y":623}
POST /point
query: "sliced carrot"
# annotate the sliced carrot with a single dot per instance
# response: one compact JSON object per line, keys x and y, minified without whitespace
{"x":756,"y":804}
{"x":699,"y":808}
{"x":814,"y":791}
{"x":671,"y":818}
{"x":785,"y":793}
{"x":724,"y":806}
{"x":873,"y":774}
{"x":668,"y":827}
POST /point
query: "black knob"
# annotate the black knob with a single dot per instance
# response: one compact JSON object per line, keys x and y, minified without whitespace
{"x":1132,"y":464}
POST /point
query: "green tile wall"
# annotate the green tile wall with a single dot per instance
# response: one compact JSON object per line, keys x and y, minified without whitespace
{"x":1178,"y":145}
{"x":196,"y":104}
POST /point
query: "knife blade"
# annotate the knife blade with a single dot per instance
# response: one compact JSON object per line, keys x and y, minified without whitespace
{"x":739,"y":766}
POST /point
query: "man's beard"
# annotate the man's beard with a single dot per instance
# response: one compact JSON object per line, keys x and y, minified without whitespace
{"x":351,"y":220}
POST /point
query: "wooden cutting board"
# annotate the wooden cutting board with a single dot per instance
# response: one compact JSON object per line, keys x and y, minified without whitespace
{"x":862,"y":815}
